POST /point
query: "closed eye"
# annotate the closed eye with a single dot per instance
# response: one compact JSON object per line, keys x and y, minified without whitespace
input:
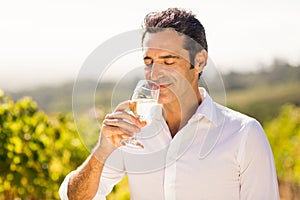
{"x":148,"y":61}
{"x":167,"y":60}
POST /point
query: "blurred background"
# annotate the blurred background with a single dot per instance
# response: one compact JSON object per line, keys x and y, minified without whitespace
{"x":255,"y":46}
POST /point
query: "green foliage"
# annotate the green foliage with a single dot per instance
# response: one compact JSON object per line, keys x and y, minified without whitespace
{"x":36,"y":150}
{"x":284,"y":136}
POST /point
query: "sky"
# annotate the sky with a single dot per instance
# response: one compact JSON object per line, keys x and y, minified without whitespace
{"x":46,"y":42}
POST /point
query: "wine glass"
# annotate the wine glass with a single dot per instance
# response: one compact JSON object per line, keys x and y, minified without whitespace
{"x":144,"y":97}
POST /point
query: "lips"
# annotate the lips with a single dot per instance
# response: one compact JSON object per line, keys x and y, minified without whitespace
{"x":164,"y":85}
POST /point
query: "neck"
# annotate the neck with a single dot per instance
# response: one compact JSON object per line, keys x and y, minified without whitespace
{"x":178,"y":112}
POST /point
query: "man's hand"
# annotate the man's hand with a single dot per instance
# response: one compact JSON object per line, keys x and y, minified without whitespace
{"x":118,"y":125}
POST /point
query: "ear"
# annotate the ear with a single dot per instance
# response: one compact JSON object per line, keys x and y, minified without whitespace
{"x":200,"y":60}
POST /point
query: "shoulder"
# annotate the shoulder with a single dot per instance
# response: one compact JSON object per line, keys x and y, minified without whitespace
{"x":248,"y":129}
{"x":240,"y":125}
{"x":233,"y":117}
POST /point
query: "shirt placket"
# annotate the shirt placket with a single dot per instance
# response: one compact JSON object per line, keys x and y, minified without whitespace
{"x":182,"y":140}
{"x":171,"y":168}
{"x":170,"y":175}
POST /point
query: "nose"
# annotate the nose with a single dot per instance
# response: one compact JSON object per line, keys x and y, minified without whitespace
{"x":156,"y":71}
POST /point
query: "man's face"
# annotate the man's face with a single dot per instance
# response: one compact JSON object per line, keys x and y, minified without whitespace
{"x":167,"y":63}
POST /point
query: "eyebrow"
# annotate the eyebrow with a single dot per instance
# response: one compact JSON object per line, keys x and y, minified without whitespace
{"x":162,"y":57}
{"x":168,"y":56}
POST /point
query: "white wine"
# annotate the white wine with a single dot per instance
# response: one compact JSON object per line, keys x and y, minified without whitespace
{"x":144,"y":97}
{"x":143,"y":107}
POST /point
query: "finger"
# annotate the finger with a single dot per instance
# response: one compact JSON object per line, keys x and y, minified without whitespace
{"x":115,"y":135}
{"x":111,"y":131}
{"x":119,"y":123}
{"x":143,"y":123}
{"x":120,"y":115}
{"x":126,"y":116}
{"x":122,"y":106}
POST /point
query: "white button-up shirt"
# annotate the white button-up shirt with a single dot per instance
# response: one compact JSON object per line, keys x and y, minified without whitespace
{"x":219,"y":154}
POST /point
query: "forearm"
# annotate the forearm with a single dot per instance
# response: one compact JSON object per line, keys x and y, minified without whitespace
{"x":84,"y":183}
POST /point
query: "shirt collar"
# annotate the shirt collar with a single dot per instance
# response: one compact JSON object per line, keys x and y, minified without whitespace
{"x":207,"y":108}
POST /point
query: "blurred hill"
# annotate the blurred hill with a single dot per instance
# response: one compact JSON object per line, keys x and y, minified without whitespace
{"x":259,"y":94}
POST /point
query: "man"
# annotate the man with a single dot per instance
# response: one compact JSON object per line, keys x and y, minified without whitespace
{"x":197,"y":149}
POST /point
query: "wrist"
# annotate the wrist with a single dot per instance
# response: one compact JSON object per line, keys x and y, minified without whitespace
{"x":101,"y":152}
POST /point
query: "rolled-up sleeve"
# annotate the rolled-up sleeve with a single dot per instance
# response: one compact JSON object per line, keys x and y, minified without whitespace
{"x":113,"y":172}
{"x":257,"y":169}
{"x":63,"y":190}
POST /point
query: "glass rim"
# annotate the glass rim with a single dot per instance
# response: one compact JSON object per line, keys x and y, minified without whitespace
{"x":153,"y":86}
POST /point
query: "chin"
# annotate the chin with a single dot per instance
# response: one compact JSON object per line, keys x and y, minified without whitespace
{"x":166,"y":96}
{"x":164,"y":100}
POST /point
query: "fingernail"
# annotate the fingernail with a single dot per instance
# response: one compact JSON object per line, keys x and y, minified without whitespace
{"x":143,"y":123}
